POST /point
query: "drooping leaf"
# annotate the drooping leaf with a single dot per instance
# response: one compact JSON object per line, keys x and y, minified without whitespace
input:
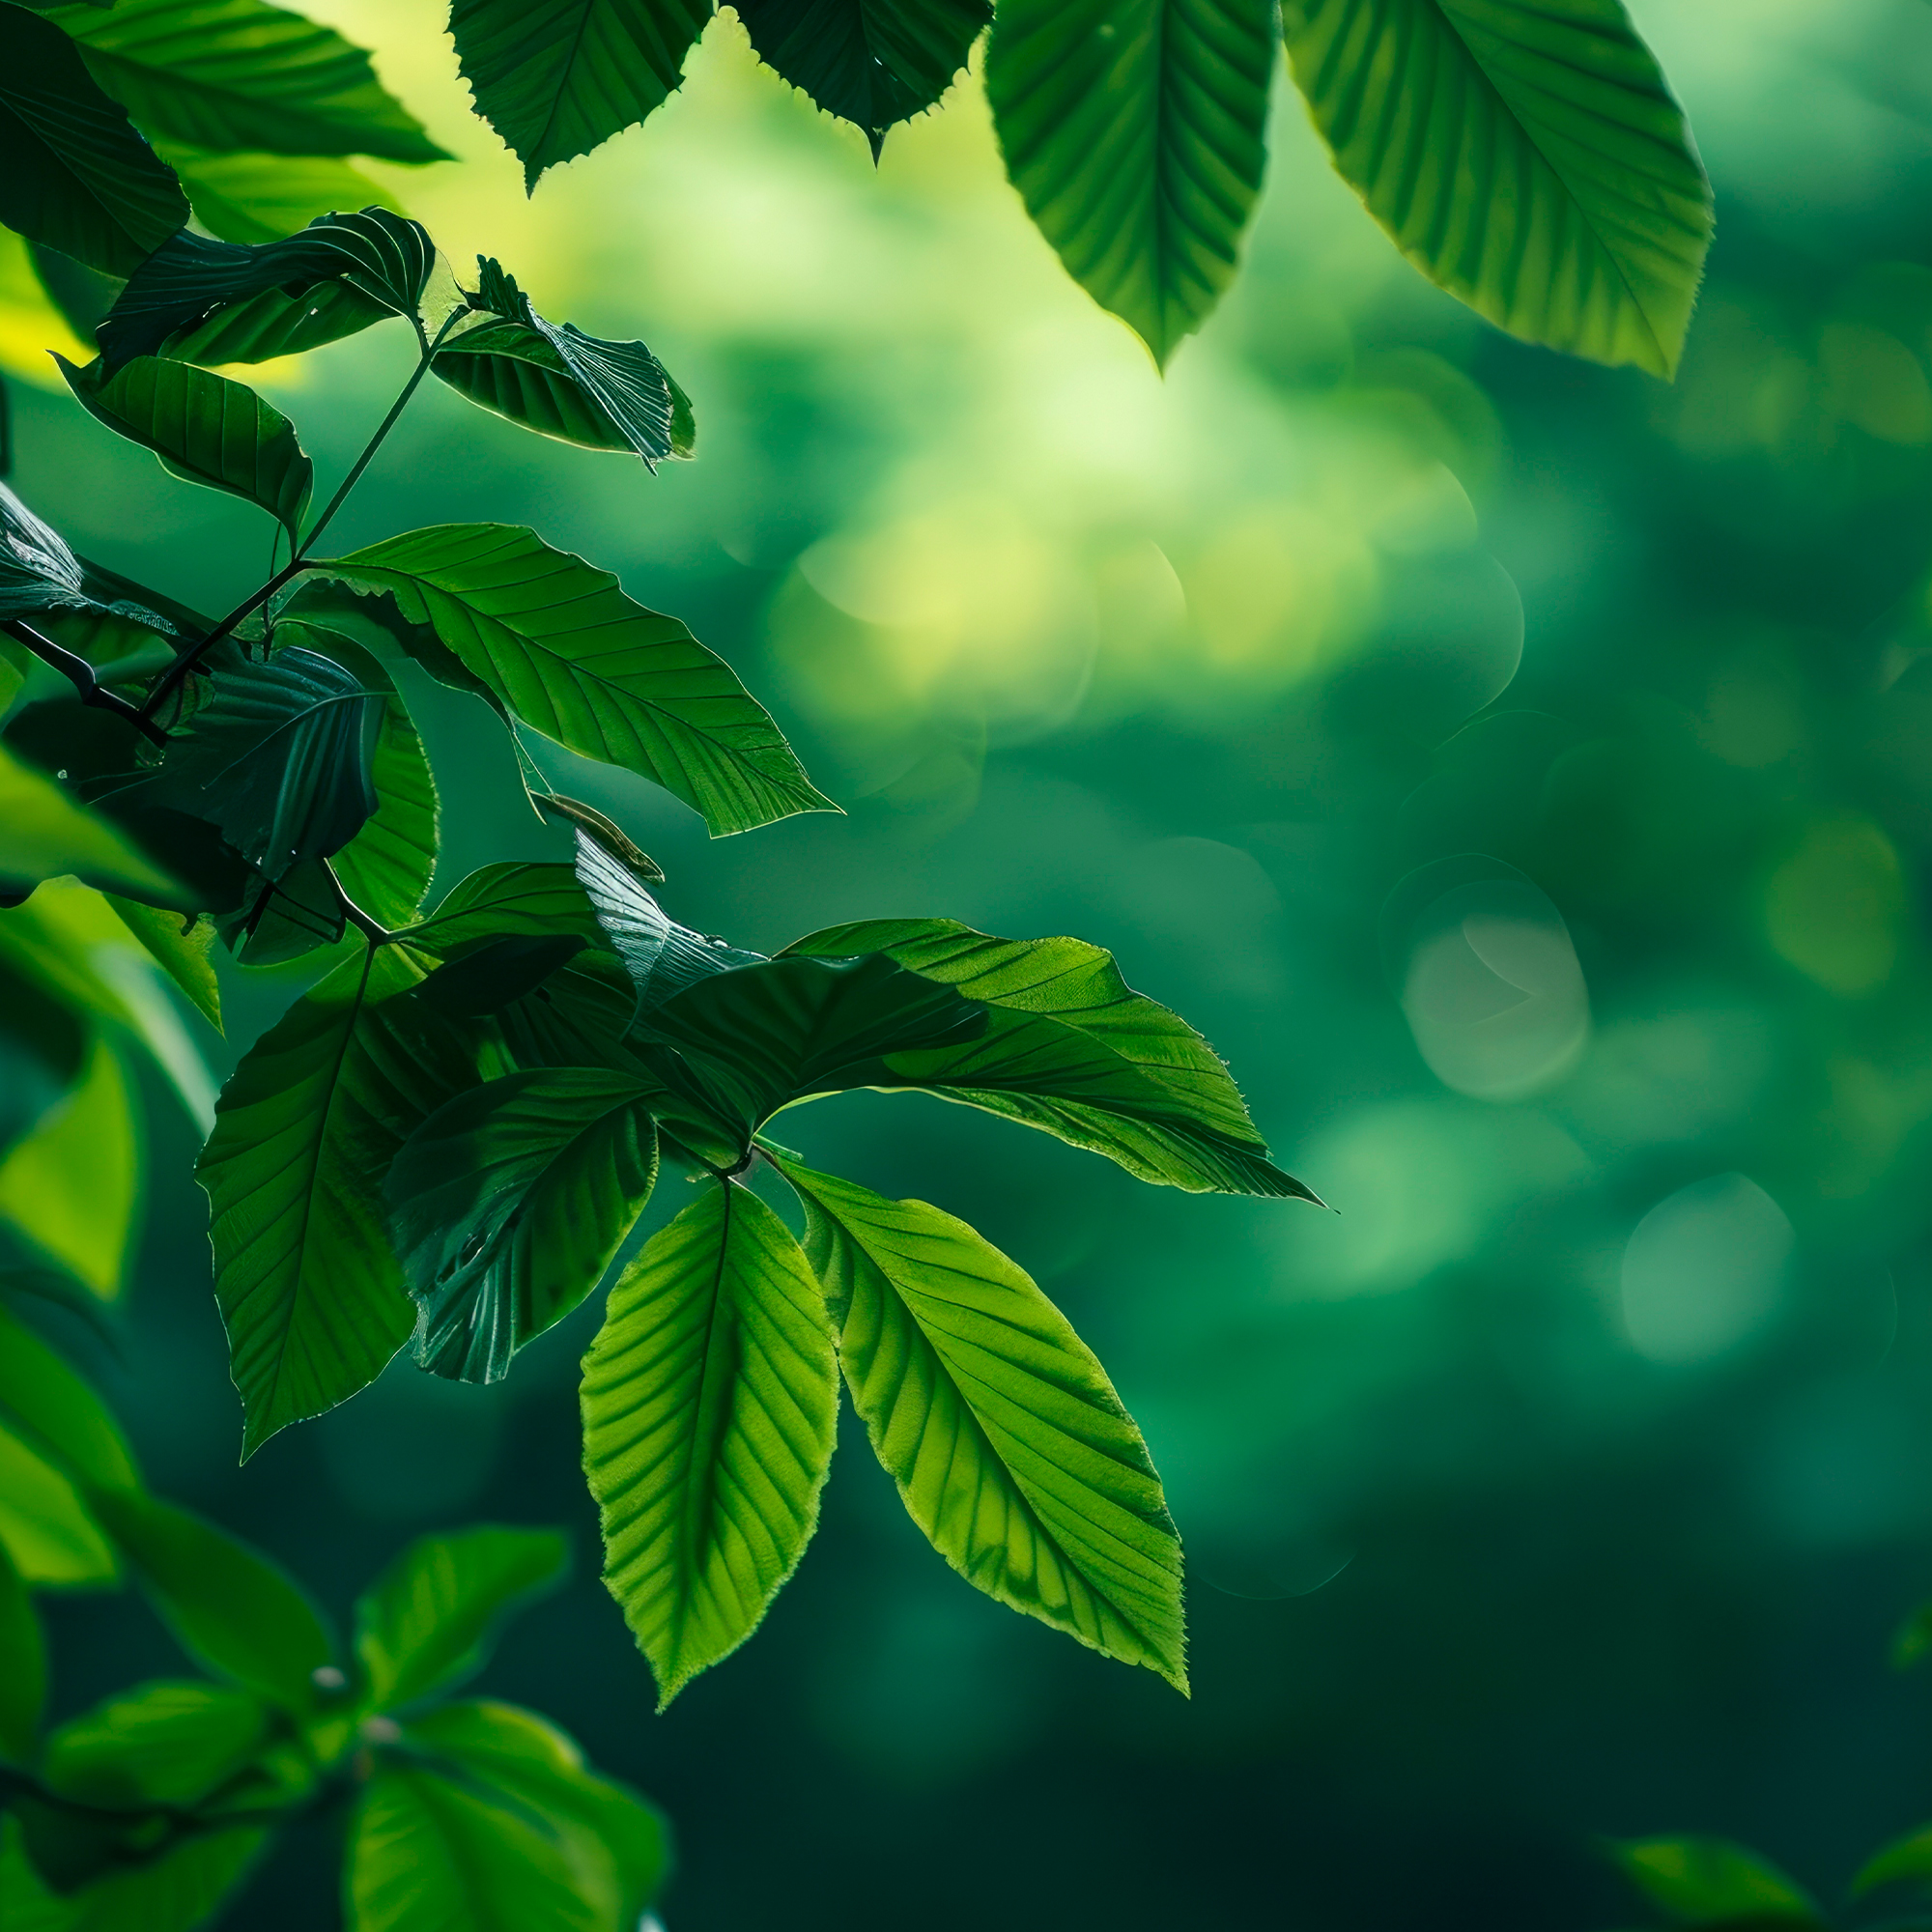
{"x":661,"y":957}
{"x":1134,"y":130}
{"x":178,"y":1892}
{"x":73,"y":174}
{"x":558,"y":381}
{"x":70,"y":1186}
{"x":228,"y":1606}
{"x":181,"y":945}
{"x":710,"y":1400}
{"x":23,"y":1682}
{"x":228,"y":74}
{"x":189,"y":287}
{"x":507,"y":1204}
{"x":1701,"y":1881}
{"x":44,"y":833}
{"x":163,"y":1744}
{"x":429,"y":1619}
{"x":205,"y":429}
{"x":1009,"y":1445}
{"x":1528,"y":159}
{"x":558,"y":77}
{"x":257,"y":197}
{"x":869,"y":62}
{"x":560,"y":644}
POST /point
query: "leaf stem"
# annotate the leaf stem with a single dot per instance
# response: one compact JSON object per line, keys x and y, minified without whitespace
{"x":81,"y":674}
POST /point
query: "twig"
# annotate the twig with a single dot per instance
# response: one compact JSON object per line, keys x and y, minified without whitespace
{"x":81,"y":674}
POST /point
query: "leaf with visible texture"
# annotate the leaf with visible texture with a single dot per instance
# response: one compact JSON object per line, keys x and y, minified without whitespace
{"x":429,"y":1619}
{"x":23,"y":1681}
{"x":661,"y":957}
{"x":39,"y":573}
{"x":1135,"y":133}
{"x":181,"y":946}
{"x":275,"y":322}
{"x":1009,"y":1445}
{"x":1703,"y":1881}
{"x":558,"y":78}
{"x":507,"y":1204}
{"x":869,"y":62}
{"x":228,"y":74}
{"x":1527,"y":159}
{"x":73,"y":173}
{"x":44,"y":834}
{"x":164,"y":1743}
{"x":710,"y":1403}
{"x":257,"y":197}
{"x":205,"y":429}
{"x":559,"y":643}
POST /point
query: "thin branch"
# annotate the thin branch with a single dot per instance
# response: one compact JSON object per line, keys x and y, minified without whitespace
{"x":81,"y":674}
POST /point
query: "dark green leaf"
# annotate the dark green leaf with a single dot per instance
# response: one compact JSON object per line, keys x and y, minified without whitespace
{"x":255,"y":197}
{"x":661,"y":957}
{"x":175,"y":1892}
{"x":429,"y":1619}
{"x":710,"y":1401}
{"x":1712,"y":1882}
{"x":871,"y":62}
{"x":23,"y":1666}
{"x":507,"y":899}
{"x":191,"y":285}
{"x":508,"y":1203}
{"x":181,"y":945}
{"x":1529,"y":159}
{"x":275,"y":322}
{"x":558,"y":643}
{"x":227,"y":74}
{"x":558,"y":77}
{"x":44,"y":835}
{"x":1906,"y":1860}
{"x":558,"y":381}
{"x":1009,"y":1445}
{"x":1134,"y":131}
{"x":1913,"y":1639}
{"x":205,"y":429}
{"x":39,"y":573}
{"x":497,"y":973}
{"x":73,"y":174}
{"x":163,"y":1744}
{"x":287,"y":918}
{"x":82,"y":295}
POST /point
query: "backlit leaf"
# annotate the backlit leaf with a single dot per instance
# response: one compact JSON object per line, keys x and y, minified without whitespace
{"x":1701,"y":1881}
{"x":181,"y":946}
{"x":710,"y":1401}
{"x":1134,"y":131}
{"x":1528,"y":159}
{"x":274,"y":323}
{"x":44,"y":835}
{"x":256,"y":197}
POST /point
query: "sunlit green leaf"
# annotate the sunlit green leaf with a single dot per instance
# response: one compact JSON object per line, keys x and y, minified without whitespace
{"x":44,"y":835}
{"x":428,"y":1620}
{"x":1701,"y":1881}
{"x":73,"y":174}
{"x":23,"y":1681}
{"x":256,"y":197}
{"x":558,"y":77}
{"x":1529,"y":159}
{"x":710,"y":1400}
{"x":180,"y":947}
{"x":237,"y":73}
{"x":560,"y":644}
{"x":205,"y":429}
{"x":508,"y":1203}
{"x":1134,"y":132}
{"x":163,"y":1744}
{"x":1009,"y":1445}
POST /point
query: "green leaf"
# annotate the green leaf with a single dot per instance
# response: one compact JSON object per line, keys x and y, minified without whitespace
{"x":1528,"y":159}
{"x":497,"y":974}
{"x":256,"y":197}
{"x":39,"y":573}
{"x":869,"y":62}
{"x":710,"y":1403}
{"x":558,"y":77}
{"x":236,"y":74}
{"x":1905,"y":1860}
{"x":386,"y":868}
{"x":429,"y":1621}
{"x":1009,"y":1445}
{"x":1071,"y":1048}
{"x":661,"y":957}
{"x":560,"y":644}
{"x":278,"y":755}
{"x":73,"y":174}
{"x":1134,"y":130}
{"x":536,"y":898}
{"x":508,"y":1203}
{"x":44,"y":834}
{"x":191,"y":285}
{"x":179,"y":945}
{"x":229,"y":1607}
{"x":163,"y":1744}
{"x":205,"y":429}
{"x":287,"y":918}
{"x":23,"y":1674}
{"x":1701,"y":1881}
{"x":176,"y":1893}
{"x":558,"y":381}
{"x":1913,"y":1639}
{"x":71,"y":1185}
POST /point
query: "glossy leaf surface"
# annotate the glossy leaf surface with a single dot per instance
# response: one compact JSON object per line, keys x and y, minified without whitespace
{"x":661,"y":957}
{"x":710,"y":1401}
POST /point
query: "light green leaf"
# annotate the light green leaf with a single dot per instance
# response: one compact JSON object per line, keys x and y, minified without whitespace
{"x":1009,"y":1445}
{"x":1528,"y":159}
{"x":23,"y":1681}
{"x":44,"y":835}
{"x":557,"y":641}
{"x":1071,"y":1048}
{"x":205,"y":429}
{"x":228,"y":74}
{"x":179,"y":945}
{"x":163,"y":1744}
{"x":429,"y":1619}
{"x":710,"y":1404}
{"x":1905,"y":1860}
{"x":871,"y":62}
{"x":558,"y":77}
{"x":179,"y":1891}
{"x":255,"y":197}
{"x":1134,"y":130}
{"x":507,"y":1204}
{"x":71,"y":1185}
{"x":1701,"y":1881}
{"x":229,"y":1607}
{"x":73,"y":174}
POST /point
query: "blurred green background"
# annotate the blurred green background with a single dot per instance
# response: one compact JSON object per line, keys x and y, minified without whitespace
{"x":1521,"y":772}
